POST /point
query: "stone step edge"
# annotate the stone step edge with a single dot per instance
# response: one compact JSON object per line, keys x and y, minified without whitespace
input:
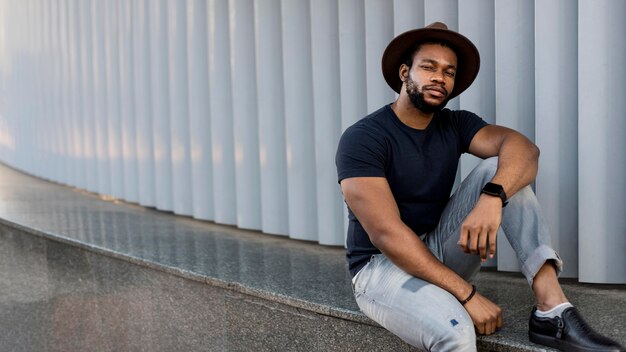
{"x":229,"y":285}
{"x":490,"y":343}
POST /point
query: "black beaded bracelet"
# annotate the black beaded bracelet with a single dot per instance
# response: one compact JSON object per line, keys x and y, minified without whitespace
{"x":470,"y":295}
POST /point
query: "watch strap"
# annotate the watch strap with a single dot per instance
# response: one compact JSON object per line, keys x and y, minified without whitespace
{"x":496,"y":190}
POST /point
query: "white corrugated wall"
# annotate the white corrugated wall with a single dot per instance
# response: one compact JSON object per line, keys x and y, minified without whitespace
{"x":230,"y":110}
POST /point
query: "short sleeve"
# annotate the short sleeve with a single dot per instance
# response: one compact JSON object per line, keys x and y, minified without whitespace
{"x":468,"y":124}
{"x":361,"y":153}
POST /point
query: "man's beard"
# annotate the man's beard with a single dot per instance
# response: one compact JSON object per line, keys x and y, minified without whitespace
{"x":417,"y":98}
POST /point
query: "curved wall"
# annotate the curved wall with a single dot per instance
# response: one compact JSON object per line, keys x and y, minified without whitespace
{"x":230,"y":110}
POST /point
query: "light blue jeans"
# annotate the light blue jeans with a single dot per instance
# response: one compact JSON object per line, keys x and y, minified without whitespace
{"x":427,"y":316}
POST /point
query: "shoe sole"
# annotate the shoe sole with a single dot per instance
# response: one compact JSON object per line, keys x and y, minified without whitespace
{"x":560,"y":344}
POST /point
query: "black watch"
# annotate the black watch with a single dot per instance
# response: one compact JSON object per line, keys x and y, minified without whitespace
{"x":494,"y":189}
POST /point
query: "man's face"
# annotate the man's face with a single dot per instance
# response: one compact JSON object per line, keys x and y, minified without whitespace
{"x":430,"y":79}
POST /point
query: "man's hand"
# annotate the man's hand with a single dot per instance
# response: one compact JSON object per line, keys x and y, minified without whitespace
{"x":486,"y":315}
{"x":480,"y":227}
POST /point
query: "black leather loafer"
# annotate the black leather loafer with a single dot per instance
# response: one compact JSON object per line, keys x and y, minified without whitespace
{"x":569,"y":332}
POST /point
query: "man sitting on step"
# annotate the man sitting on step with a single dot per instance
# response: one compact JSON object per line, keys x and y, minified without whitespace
{"x":412,"y":250}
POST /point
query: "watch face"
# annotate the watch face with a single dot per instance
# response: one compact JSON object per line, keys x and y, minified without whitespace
{"x":492,"y":188}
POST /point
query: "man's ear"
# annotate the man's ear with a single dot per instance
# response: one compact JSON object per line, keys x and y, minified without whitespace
{"x":404,"y":72}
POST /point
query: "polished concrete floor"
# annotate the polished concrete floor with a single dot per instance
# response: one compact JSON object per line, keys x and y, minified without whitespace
{"x":295,"y":274}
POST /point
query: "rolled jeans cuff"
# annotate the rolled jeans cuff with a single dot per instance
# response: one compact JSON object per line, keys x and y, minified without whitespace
{"x":535,"y":261}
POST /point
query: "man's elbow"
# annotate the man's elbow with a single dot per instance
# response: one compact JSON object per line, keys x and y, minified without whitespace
{"x":380,"y":236}
{"x":379,"y":241}
{"x":535,"y":152}
{"x":533,"y":161}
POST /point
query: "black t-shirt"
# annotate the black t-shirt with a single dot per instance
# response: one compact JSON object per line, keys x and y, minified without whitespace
{"x":419,"y":165}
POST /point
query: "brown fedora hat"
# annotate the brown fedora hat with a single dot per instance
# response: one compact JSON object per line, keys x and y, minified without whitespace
{"x":467,"y":55}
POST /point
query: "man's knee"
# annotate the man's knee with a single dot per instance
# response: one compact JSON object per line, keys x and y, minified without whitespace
{"x":484,"y":171}
{"x":464,"y":341}
{"x":488,"y":166}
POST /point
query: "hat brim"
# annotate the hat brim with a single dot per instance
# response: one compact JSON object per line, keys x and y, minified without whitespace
{"x":468,"y":58}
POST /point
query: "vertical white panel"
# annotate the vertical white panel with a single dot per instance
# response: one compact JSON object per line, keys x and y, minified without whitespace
{"x":7,"y":68}
{"x":246,"y":135}
{"x":407,"y":15}
{"x":42,"y":71}
{"x":12,"y":99}
{"x":86,"y":95}
{"x":351,"y":67}
{"x":100,"y":98}
{"x":515,"y":57}
{"x":114,"y":144}
{"x":26,"y":123}
{"x":76,"y":81}
{"x":477,"y":22}
{"x":22,"y":94}
{"x":602,"y":147}
{"x":34,"y":108}
{"x":30,"y":89}
{"x":271,"y":115}
{"x":127,"y":102}
{"x":224,"y":198}
{"x":142,"y":64}
{"x":60,"y":165}
{"x":445,"y":11}
{"x":38,"y":74}
{"x":65,"y":114}
{"x":4,"y":137}
{"x":18,"y":96}
{"x":199,"y":110}
{"x":179,"y":107}
{"x":352,"y":71}
{"x":327,"y":109}
{"x":46,"y":81}
{"x":160,"y":90}
{"x":5,"y":62}
{"x":515,"y":83}
{"x":378,"y":33}
{"x":299,"y":119}
{"x":4,"y":86}
{"x":556,"y":124}
{"x":24,"y":138}
{"x":33,"y":88}
{"x":49,"y":69}
{"x":70,"y":113}
{"x":15,"y":95}
{"x":26,"y":91}
{"x":61,"y":84}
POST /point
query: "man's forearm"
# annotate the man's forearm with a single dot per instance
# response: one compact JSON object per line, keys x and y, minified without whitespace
{"x":406,"y":250}
{"x":517,"y":163}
